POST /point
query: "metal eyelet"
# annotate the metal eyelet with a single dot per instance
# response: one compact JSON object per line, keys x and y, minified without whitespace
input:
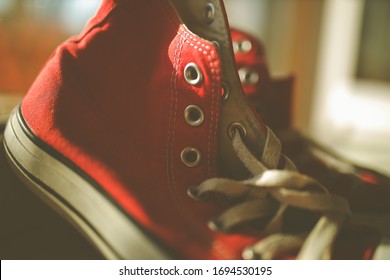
{"x":248,"y":76}
{"x":192,"y":192}
{"x":216,"y":45}
{"x":236,"y":126}
{"x":225,"y":91}
{"x":242,"y":46}
{"x":192,"y":74}
{"x":194,"y":115}
{"x":190,"y":156}
{"x":209,"y":13}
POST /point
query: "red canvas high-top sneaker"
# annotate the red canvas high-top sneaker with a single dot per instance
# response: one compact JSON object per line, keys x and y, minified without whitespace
{"x":139,"y":113}
{"x":365,"y":189}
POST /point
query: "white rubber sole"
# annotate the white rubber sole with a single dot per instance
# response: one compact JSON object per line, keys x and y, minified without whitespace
{"x":75,"y":197}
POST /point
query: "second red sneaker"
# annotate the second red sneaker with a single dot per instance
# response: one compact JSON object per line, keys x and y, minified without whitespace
{"x":364,"y":188}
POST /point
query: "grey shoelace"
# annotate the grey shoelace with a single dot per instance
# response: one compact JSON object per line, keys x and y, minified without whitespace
{"x":268,"y":194}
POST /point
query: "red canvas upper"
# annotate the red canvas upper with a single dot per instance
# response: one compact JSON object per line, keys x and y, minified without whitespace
{"x":112,"y":101}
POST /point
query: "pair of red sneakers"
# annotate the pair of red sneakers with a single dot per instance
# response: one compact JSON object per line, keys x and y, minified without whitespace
{"x":128,"y":125}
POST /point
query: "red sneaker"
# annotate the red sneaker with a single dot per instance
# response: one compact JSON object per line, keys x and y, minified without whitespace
{"x":365,"y":189}
{"x":127,"y":116}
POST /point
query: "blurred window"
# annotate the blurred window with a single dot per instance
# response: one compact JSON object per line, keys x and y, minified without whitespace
{"x":351,"y":111}
{"x":374,"y":50}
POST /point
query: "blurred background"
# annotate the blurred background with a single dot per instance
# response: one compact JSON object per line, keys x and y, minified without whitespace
{"x":337,"y":50}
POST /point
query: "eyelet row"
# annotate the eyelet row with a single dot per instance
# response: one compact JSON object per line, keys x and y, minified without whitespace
{"x":193,"y":115}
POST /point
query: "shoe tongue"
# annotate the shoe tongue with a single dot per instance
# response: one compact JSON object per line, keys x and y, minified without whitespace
{"x":207,"y":19}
